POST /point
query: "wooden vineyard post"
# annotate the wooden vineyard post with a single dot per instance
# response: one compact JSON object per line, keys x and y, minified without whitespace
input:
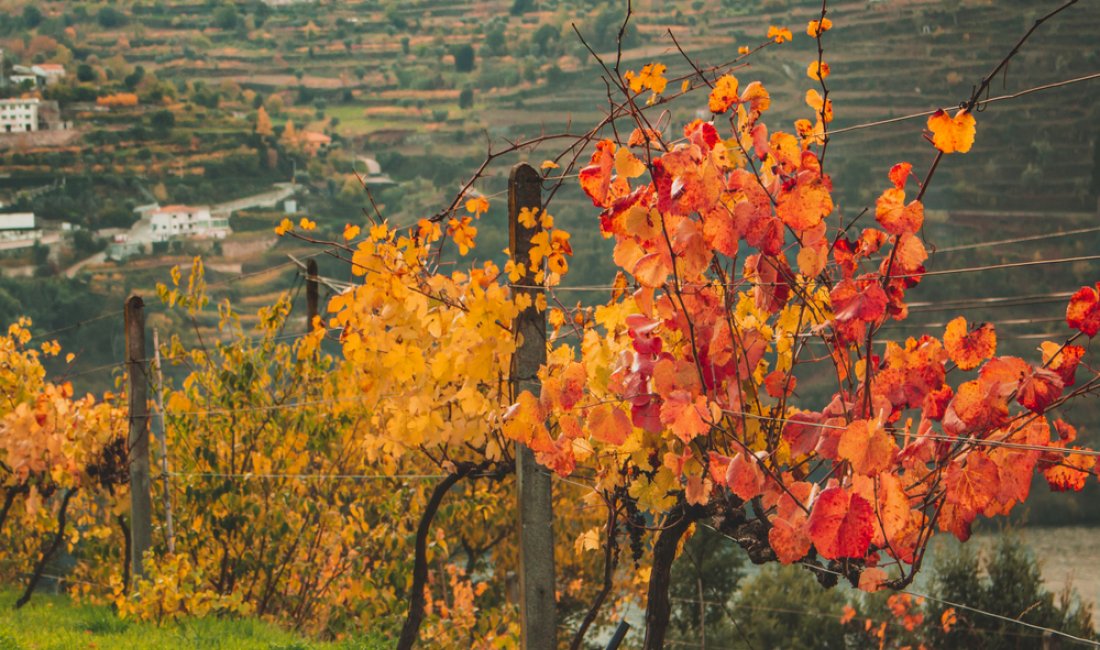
{"x":312,"y":294}
{"x":141,"y":500}
{"x":536,"y":536}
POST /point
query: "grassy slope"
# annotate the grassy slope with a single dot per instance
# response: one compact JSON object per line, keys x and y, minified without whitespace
{"x":56,"y":623}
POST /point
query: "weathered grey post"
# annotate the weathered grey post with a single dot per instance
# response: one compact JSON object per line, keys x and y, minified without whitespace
{"x":536,"y":545}
{"x":141,"y":499}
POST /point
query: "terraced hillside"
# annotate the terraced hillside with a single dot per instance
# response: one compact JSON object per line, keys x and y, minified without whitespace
{"x":421,"y":86}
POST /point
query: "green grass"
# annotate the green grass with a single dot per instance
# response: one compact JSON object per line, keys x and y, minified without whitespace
{"x":56,"y":623}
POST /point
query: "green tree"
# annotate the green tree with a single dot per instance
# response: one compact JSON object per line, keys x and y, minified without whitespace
{"x":162,"y":122}
{"x":32,"y":17}
{"x":225,"y":17}
{"x":1007,"y":582}
{"x":785,"y":607}
{"x":703,"y":579}
{"x":464,"y":57}
{"x":110,"y":17}
{"x":85,"y":73}
{"x":466,"y":97}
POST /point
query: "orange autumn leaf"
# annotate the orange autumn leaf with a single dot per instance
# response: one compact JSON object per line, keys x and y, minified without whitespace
{"x":477,"y":205}
{"x":896,"y":216}
{"x":1083,"y":312}
{"x":969,"y":483}
{"x":608,"y":423}
{"x":841,"y":524}
{"x":650,"y":78}
{"x":817,"y":70}
{"x":969,"y":348}
{"x":651,"y":270}
{"x":948,"y":619}
{"x":805,"y":205}
{"x":1039,"y":389}
{"x":779,"y":34}
{"x":744,"y":476}
{"x":757,"y":97}
{"x":952,"y":134}
{"x":724,"y":94}
{"x":867,"y":446}
{"x":816,"y":28}
{"x":1069,"y":472}
{"x":872,"y":579}
{"x":684,"y":416}
{"x":778,"y":383}
{"x":595,"y":179}
{"x":823,"y":108}
{"x":847,"y":614}
{"x":1062,"y":359}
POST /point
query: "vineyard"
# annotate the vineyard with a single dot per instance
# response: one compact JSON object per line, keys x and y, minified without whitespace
{"x":451,"y":450}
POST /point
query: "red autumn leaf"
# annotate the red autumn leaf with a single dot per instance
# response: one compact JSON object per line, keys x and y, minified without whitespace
{"x":609,"y":424}
{"x":595,"y":179}
{"x":968,"y":348}
{"x":1083,"y":312}
{"x":897,"y":216}
{"x":744,"y":477}
{"x":860,"y":300}
{"x":867,"y":447}
{"x":777,"y":384}
{"x":899,"y":174}
{"x":841,"y":524}
{"x":1039,"y":389}
{"x":802,"y":431}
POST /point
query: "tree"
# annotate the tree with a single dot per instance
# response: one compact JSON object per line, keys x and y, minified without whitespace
{"x":464,"y":57}
{"x":263,"y":123}
{"x":162,"y":122}
{"x":32,"y":17}
{"x":785,"y":607}
{"x":999,"y":583}
{"x":466,"y":97}
{"x":85,"y":73}
{"x":226,"y":17}
{"x":109,"y":17}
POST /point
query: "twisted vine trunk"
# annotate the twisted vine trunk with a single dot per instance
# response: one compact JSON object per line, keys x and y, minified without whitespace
{"x":49,"y":551}
{"x":658,"y":606}
{"x":411,"y":630}
{"x":611,"y":553}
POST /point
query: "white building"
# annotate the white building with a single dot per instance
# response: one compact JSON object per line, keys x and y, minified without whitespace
{"x":174,"y":221}
{"x":47,"y":74}
{"x":18,"y":115}
{"x":17,"y":230}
